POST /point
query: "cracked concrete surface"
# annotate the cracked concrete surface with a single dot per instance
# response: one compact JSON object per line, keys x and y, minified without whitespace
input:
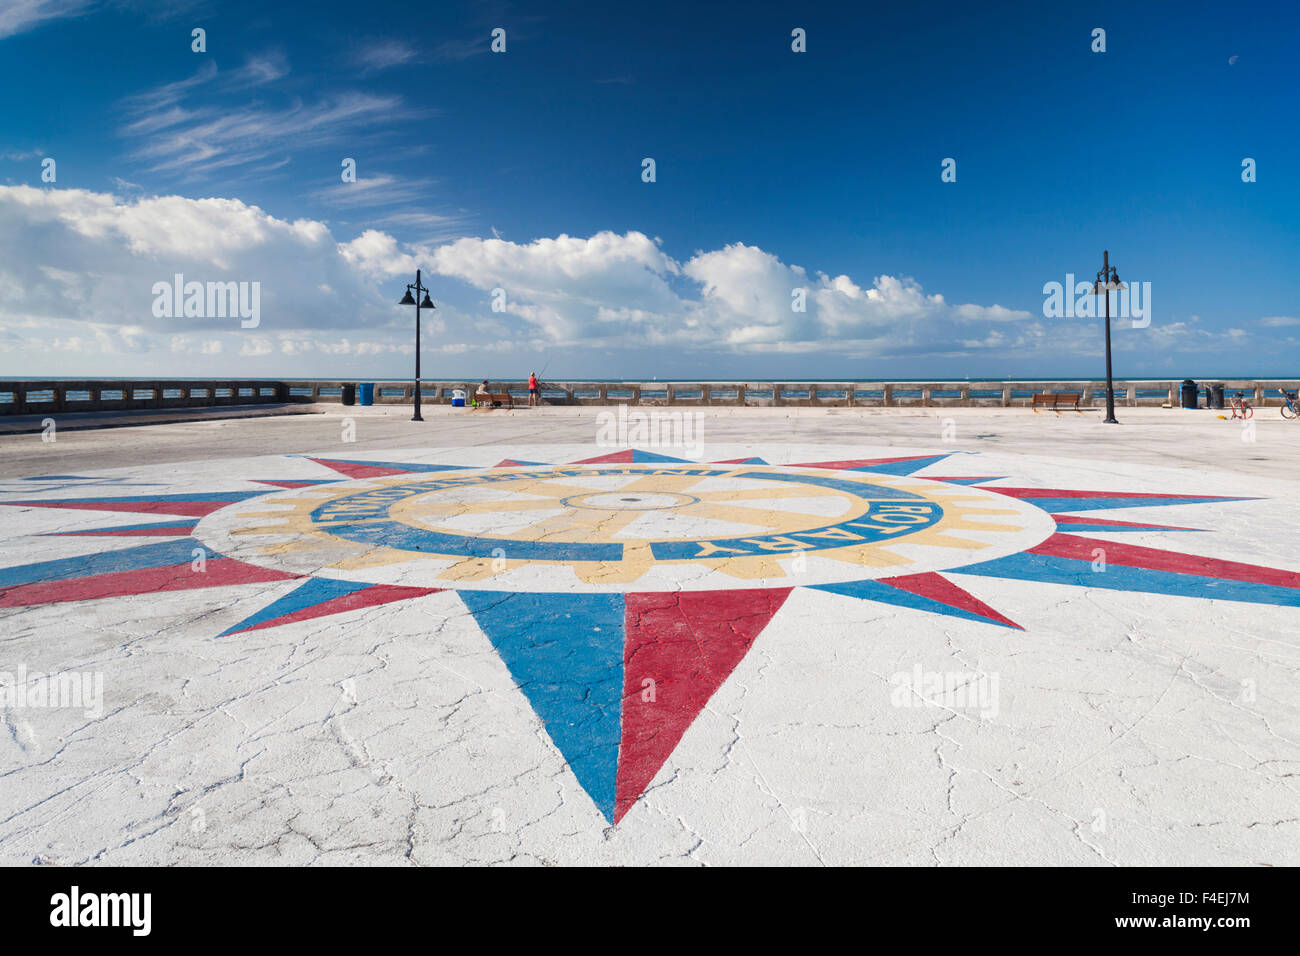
{"x":1132,"y":728}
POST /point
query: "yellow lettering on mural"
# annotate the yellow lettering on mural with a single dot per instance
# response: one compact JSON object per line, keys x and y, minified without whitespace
{"x":884,"y":529}
{"x":780,"y":543}
{"x":835,"y":534}
{"x":707,"y":549}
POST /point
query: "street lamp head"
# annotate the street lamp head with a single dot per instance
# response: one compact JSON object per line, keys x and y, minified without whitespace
{"x":427,"y":304}
{"x":406,"y":299}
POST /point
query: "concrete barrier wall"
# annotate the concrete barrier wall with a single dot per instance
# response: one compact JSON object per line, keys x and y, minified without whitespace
{"x":40,"y":397}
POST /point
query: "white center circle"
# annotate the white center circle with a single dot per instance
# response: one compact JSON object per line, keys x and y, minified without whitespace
{"x":626,"y":528}
{"x":640,"y":501}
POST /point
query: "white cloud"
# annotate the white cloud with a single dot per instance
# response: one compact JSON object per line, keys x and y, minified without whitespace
{"x":384,"y":54}
{"x":377,"y":254}
{"x":624,"y":290}
{"x":990,"y":313}
{"x":17,"y":16}
{"x":77,"y":269}
{"x":89,"y":257}
{"x":227,"y":132}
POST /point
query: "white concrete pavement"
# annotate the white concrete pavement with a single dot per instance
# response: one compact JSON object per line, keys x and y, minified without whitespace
{"x":291,"y":648}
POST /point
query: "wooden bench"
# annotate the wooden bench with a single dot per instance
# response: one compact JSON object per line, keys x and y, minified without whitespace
{"x":492,"y":399}
{"x":1056,"y":399}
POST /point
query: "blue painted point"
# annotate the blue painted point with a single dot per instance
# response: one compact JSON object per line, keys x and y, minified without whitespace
{"x":227,"y":496}
{"x":1084,"y":503}
{"x":1118,"y":577}
{"x":888,"y":594}
{"x":969,"y":481}
{"x":1063,"y":524}
{"x":565,"y":652}
{"x":905,"y":467}
{"x":178,"y":523}
{"x":163,"y":554}
{"x":312,"y":592}
{"x":394,"y":465}
{"x":648,"y":456}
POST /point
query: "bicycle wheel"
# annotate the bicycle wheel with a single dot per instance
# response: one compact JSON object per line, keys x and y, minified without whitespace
{"x":1289,"y":411}
{"x":1246,"y":410}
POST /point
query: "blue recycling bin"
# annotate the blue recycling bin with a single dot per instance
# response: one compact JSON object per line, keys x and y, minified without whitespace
{"x":367,"y":390}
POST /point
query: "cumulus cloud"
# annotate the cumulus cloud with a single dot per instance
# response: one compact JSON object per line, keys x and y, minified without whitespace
{"x":624,"y":290}
{"x":92,"y":258}
{"x":78,"y":268}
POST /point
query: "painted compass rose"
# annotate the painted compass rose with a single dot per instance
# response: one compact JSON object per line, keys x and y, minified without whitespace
{"x":622,"y":590}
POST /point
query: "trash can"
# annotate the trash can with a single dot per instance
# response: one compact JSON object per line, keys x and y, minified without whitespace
{"x":1214,"y":396}
{"x":1189,"y":394}
{"x":349,"y":394}
{"x":367,"y":393}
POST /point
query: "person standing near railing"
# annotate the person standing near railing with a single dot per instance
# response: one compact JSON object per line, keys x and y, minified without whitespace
{"x":533,"y":390}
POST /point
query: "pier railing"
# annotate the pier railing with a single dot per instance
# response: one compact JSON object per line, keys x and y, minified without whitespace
{"x":41,"y":397}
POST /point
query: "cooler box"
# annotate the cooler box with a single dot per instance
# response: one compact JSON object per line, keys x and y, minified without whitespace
{"x":457,"y":398}
{"x":367,"y":393}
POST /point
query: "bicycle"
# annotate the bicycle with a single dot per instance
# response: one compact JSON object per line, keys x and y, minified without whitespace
{"x":1289,"y":408}
{"x":1240,"y":407}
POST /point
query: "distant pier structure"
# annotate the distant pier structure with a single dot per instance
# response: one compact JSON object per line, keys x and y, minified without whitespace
{"x":42,"y":397}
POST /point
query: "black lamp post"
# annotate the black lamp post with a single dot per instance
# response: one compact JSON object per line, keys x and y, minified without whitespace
{"x":1106,"y":283}
{"x":426,"y":304}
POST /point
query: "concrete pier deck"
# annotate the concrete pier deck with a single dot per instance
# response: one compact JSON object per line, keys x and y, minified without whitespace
{"x":768,"y":635}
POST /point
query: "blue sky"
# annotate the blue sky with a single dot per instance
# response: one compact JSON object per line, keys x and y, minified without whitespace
{"x":775,"y":171}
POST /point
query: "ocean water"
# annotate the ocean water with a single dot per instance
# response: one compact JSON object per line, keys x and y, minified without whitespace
{"x":1201,"y":379}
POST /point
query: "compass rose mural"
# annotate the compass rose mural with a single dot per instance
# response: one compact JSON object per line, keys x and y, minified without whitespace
{"x":620,"y":590}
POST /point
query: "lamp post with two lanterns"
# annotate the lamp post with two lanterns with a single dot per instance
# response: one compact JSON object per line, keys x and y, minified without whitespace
{"x":427,"y":303}
{"x":1106,"y":283}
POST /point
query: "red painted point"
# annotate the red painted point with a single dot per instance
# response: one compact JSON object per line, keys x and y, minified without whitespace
{"x":613,"y":458}
{"x":1062,"y":545}
{"x":850,"y":464}
{"x":289,"y":484}
{"x":190,"y":509}
{"x":173,"y":577}
{"x":372,"y":596}
{"x":354,"y":469}
{"x":938,"y":588}
{"x":687,"y":643}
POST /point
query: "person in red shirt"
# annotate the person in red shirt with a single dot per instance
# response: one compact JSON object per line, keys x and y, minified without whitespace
{"x":533,"y":390}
